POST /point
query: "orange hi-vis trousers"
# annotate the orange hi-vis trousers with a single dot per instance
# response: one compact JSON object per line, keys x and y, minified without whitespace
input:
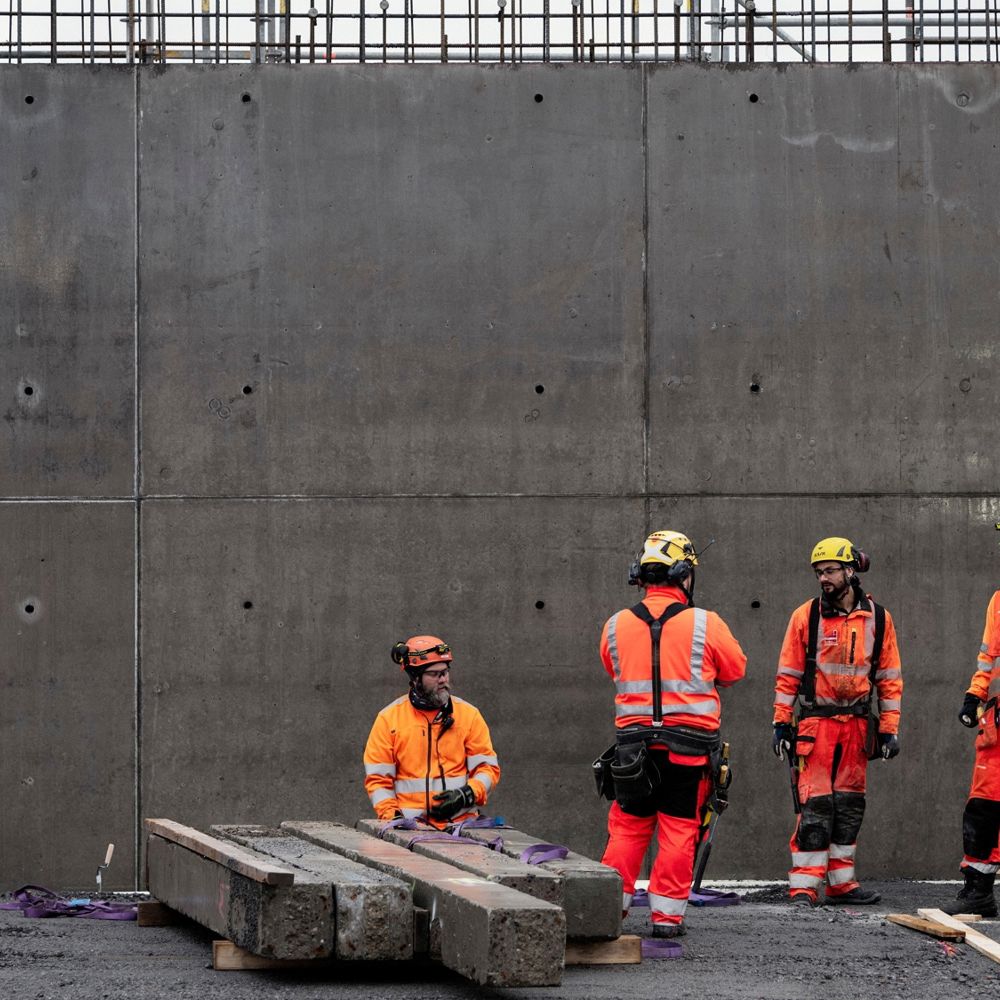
{"x":832,"y":792}
{"x":981,"y":819}
{"x":673,"y":812}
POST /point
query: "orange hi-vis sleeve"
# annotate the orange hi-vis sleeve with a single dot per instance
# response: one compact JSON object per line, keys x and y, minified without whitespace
{"x":985,"y":683}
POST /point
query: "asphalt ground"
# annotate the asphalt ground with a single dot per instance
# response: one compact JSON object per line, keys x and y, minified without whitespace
{"x":762,"y":949}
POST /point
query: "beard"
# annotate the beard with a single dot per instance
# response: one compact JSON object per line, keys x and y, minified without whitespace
{"x":438,"y":697}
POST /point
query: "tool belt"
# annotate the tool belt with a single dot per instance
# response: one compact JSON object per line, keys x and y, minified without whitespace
{"x":627,"y":772}
{"x":862,"y":708}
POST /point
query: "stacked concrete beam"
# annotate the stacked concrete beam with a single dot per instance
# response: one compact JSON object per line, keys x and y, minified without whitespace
{"x":279,"y":910}
{"x":591,"y":892}
{"x":474,"y":857}
{"x":487,"y":932}
{"x":372,"y":912}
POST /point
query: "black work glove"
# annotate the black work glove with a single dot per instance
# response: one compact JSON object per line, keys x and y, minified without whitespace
{"x":889,"y":742}
{"x":969,"y":716}
{"x":781,"y":742}
{"x":451,"y":803}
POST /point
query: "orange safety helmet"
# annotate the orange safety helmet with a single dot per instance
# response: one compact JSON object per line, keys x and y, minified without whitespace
{"x":421,"y":651}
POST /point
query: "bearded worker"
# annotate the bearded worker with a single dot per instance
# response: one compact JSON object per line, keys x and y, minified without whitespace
{"x":429,"y":755}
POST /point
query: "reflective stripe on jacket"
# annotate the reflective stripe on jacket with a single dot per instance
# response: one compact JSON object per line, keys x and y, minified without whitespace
{"x":985,"y":682}
{"x":408,"y":760}
{"x":843,"y":661}
{"x":697,"y":653}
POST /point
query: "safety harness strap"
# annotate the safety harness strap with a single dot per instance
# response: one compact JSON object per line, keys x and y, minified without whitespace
{"x":655,"y":628}
{"x":808,"y":687}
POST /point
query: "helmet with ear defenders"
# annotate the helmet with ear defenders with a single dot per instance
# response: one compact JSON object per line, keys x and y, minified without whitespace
{"x":666,"y":557}
{"x":420,"y":651}
{"x":840,"y":550}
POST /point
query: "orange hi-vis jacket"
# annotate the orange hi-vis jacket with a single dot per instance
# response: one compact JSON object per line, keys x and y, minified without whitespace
{"x":409,"y":760}
{"x":843,"y":662}
{"x":697,"y":653}
{"x":985,"y":682}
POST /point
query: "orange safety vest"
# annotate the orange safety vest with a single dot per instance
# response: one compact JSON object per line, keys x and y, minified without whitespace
{"x":697,"y":654}
{"x":843,"y":662}
{"x":411,"y":756}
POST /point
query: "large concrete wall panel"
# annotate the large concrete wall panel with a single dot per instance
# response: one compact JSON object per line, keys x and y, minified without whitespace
{"x":250,"y":714}
{"x":375,"y":281}
{"x":67,"y":708}
{"x":823,"y":274}
{"x":67,"y":289}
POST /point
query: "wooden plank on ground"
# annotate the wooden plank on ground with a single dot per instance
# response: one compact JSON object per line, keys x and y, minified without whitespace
{"x":931,"y":927}
{"x":228,"y":957}
{"x":234,"y":858}
{"x":973,"y":938}
{"x":968,"y":918}
{"x":626,"y":950}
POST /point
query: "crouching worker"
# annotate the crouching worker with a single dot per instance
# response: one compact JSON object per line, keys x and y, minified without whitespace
{"x":429,"y":754}
{"x":667,"y":659}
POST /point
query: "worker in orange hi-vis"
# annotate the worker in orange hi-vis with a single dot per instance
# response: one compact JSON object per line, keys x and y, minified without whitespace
{"x":429,"y":755}
{"x":838,"y":659}
{"x":981,"y":819}
{"x":667,"y":659}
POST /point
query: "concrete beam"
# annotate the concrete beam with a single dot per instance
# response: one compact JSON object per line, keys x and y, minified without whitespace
{"x":494,"y":866}
{"x":293,"y":921}
{"x":372,"y":912}
{"x":592,"y":892}
{"x":486,"y":932}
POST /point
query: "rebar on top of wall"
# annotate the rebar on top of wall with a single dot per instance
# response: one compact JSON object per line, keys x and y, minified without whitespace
{"x":497,"y":31}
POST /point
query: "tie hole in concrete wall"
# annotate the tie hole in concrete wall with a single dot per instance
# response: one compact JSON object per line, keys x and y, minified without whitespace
{"x":539,"y":98}
{"x":755,"y":604}
{"x":539,"y":605}
{"x":754,"y":98}
{"x":29,"y":390}
{"x":245,"y":98}
{"x":247,"y":605}
{"x":29,"y":99}
{"x":539,"y":389}
{"x":30,"y":609}
{"x":755,"y":386}
{"x":247,"y":389}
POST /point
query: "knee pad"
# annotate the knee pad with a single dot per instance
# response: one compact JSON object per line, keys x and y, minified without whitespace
{"x":848,"y":812}
{"x":815,"y":823}
{"x":980,"y":828}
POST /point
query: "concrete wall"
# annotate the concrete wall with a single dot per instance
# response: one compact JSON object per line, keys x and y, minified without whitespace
{"x":430,"y":349}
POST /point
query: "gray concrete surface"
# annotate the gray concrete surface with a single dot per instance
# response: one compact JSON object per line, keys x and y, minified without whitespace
{"x":372,"y":914}
{"x":485,"y":931}
{"x":393,"y":261}
{"x":757,"y":951}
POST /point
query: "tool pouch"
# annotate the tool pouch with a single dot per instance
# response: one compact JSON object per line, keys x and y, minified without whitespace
{"x":635,"y":774}
{"x":988,"y":725}
{"x":873,"y":749}
{"x":603,"y":778}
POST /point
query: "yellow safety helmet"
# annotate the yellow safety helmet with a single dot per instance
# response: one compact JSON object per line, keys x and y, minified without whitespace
{"x":665,"y":548}
{"x":840,"y":550}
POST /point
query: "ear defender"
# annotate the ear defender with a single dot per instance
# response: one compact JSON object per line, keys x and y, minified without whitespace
{"x":399,"y":652}
{"x":862,"y":562}
{"x":633,"y":572}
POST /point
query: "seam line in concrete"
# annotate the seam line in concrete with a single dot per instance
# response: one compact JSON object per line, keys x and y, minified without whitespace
{"x":646,"y":331}
{"x":136,"y":485}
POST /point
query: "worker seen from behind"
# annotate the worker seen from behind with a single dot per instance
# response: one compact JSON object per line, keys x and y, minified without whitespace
{"x":667,"y":659}
{"x":981,"y":819}
{"x":839,"y":656}
{"x":429,"y":756}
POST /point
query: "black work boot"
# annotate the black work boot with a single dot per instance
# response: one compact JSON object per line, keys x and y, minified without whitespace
{"x":976,"y":896}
